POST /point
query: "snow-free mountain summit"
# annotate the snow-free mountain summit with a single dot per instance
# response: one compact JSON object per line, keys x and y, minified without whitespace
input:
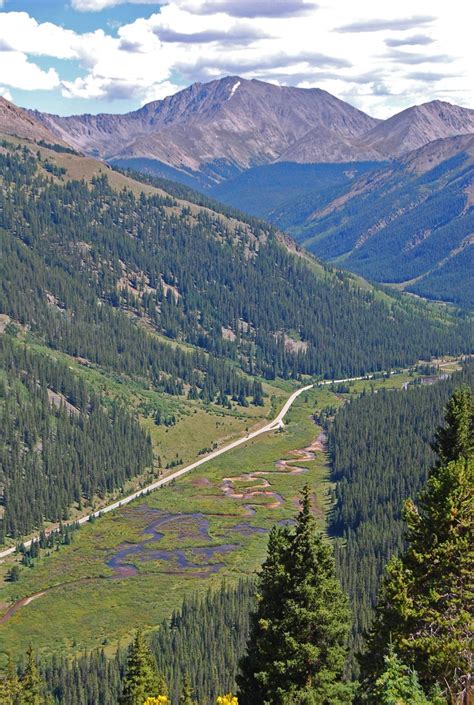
{"x":214,"y":130}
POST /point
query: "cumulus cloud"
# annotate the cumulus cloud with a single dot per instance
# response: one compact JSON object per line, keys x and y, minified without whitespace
{"x":253,"y":8}
{"x":378,"y":25}
{"x":292,"y":42}
{"x":18,"y":72}
{"x":20,"y":32}
{"x":380,"y":88}
{"x":415,"y":40}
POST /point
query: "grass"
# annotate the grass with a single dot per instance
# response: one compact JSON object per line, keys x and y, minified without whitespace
{"x":198,"y":425}
{"x":89,"y":603}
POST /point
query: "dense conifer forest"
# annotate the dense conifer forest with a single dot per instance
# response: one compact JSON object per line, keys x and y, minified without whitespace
{"x":80,"y":259}
{"x":204,"y":631}
{"x":198,"y":303}
{"x":59,"y":443}
{"x":380,"y":454}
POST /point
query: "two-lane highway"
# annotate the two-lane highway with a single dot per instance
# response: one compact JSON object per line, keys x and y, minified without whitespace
{"x":272,"y":426}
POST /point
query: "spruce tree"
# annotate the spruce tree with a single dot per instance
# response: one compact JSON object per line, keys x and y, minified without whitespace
{"x":296,"y":650}
{"x":186,"y":697}
{"x":399,"y":685}
{"x":426,"y":600}
{"x":9,"y":684}
{"x":456,"y":439}
{"x":31,"y":683}
{"x":141,"y":677}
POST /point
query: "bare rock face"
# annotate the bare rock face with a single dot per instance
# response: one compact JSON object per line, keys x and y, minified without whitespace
{"x":18,"y":122}
{"x":417,"y":126}
{"x":438,"y":151}
{"x":241,"y":123}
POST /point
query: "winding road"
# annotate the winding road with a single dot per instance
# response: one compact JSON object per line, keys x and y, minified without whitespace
{"x":271,"y":426}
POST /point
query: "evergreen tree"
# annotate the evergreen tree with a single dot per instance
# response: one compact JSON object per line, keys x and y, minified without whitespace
{"x":399,"y":685}
{"x":456,"y":439}
{"x":296,"y":650}
{"x":186,"y":697}
{"x":426,"y":600}
{"x":141,"y":677}
{"x":374,"y":473}
{"x":31,"y":682}
{"x":9,"y":684}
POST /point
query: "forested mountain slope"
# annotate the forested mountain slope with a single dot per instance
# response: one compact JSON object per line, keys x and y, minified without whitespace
{"x":90,"y":267}
{"x":287,"y":193}
{"x":380,"y":454}
{"x":167,"y":293}
{"x":59,"y":444}
{"x":409,"y":224}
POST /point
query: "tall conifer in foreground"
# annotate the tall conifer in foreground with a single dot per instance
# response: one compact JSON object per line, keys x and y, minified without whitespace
{"x":141,"y":677}
{"x":426,"y":601}
{"x":296,"y":650}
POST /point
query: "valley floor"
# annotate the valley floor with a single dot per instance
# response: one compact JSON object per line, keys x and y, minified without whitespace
{"x":133,"y":566}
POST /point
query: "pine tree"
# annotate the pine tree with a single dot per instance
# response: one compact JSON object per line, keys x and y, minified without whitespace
{"x":425,"y":605}
{"x":31,"y":683}
{"x":141,"y":677}
{"x":296,"y":650}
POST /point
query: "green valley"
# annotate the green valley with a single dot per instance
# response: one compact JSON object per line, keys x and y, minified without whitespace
{"x":144,"y":326}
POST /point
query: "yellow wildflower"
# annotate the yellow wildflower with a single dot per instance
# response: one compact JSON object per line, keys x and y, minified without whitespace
{"x":227,"y":700}
{"x":160,"y":700}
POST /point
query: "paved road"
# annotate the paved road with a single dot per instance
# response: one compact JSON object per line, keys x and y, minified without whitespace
{"x":272,"y":426}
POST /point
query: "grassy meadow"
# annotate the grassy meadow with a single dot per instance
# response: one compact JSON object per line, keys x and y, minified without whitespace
{"x":132,"y":567}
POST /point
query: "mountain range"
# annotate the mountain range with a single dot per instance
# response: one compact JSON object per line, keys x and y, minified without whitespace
{"x":210,"y":131}
{"x":143,"y":325}
{"x":408,"y":223}
{"x":388,"y":199}
{"x":15,"y":121}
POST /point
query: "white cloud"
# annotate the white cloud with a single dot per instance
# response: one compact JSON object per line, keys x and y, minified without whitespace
{"x":18,"y":72}
{"x":96,"y":5}
{"x":20,"y":32}
{"x":380,"y":70}
{"x":158,"y":91}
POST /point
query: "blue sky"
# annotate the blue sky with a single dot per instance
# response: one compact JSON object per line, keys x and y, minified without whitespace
{"x":76,"y":56}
